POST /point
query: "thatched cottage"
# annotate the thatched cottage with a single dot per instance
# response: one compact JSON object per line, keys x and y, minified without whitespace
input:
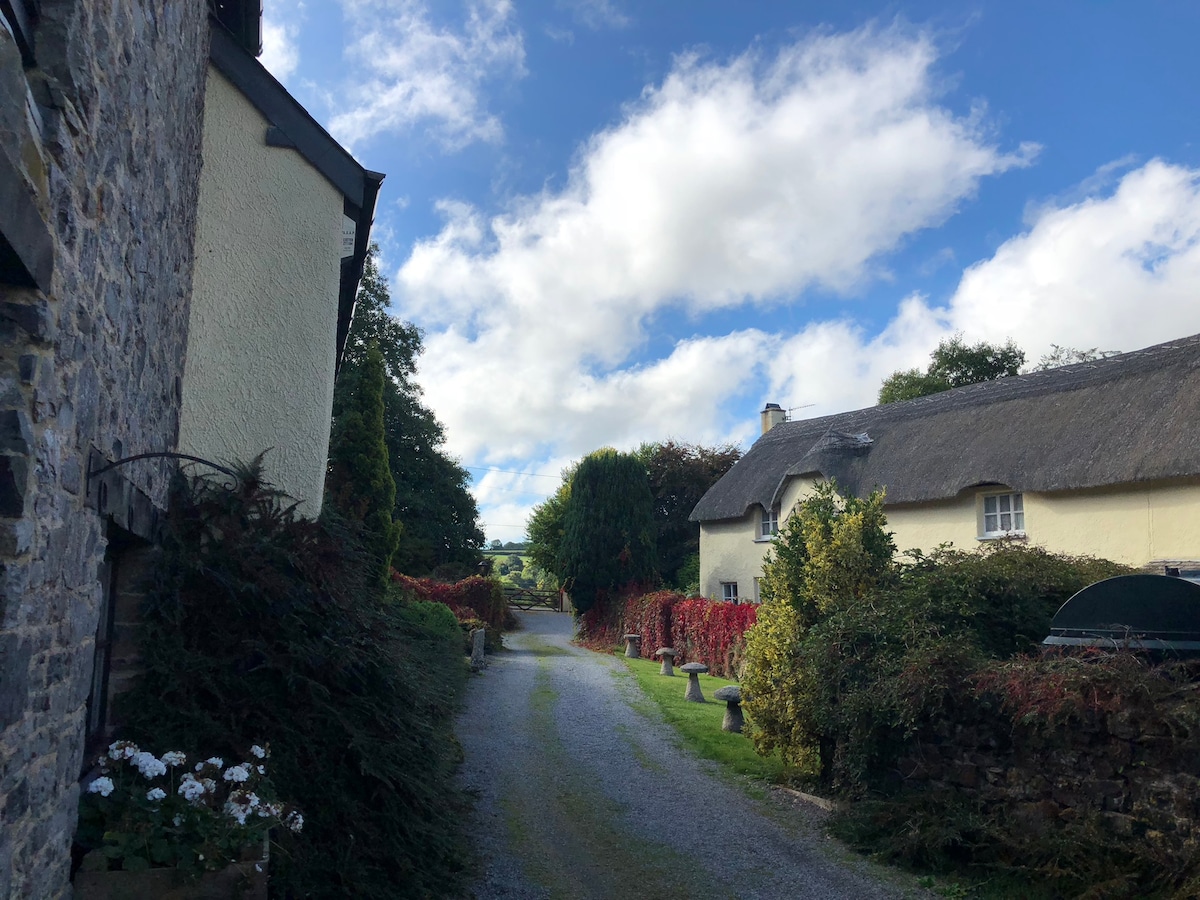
{"x":1098,"y":458}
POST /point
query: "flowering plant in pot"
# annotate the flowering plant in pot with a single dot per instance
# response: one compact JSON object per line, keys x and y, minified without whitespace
{"x":146,"y":812}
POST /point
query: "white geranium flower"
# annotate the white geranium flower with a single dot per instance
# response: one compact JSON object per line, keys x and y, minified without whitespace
{"x":237,"y":773}
{"x":102,"y":786}
{"x":174,"y":758}
{"x":155,"y":794}
{"x":149,"y":765}
{"x":122,"y":750}
{"x":294,"y":821}
{"x":190,"y":789}
{"x":258,"y":751}
{"x":237,"y":811}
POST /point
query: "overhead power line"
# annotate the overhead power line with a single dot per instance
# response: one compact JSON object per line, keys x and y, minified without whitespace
{"x":509,"y":472}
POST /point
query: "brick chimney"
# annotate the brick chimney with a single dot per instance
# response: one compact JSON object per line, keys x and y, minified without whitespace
{"x":772,"y":415}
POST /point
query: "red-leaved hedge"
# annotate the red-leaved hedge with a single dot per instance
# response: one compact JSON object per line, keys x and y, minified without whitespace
{"x":474,"y":597}
{"x":699,"y":630}
{"x":713,"y":633}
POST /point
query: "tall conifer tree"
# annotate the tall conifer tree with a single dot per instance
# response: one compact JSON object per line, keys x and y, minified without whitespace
{"x":360,"y":484}
{"x":608,"y":537}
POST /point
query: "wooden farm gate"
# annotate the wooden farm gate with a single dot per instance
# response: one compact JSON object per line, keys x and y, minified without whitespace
{"x":533,"y":598}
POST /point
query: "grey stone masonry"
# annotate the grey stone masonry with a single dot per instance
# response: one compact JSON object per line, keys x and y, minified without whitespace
{"x":100,"y":142}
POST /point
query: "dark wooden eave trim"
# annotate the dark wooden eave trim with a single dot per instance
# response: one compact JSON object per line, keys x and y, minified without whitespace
{"x":352,"y":267}
{"x":243,"y":20}
{"x":291,"y":120}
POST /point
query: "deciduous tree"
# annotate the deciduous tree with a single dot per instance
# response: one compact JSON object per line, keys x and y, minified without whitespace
{"x":679,"y":475}
{"x":954,"y":364}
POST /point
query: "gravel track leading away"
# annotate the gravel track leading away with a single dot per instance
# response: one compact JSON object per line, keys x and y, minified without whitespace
{"x":584,"y":793}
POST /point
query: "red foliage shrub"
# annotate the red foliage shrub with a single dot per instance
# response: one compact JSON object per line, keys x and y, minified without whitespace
{"x":650,"y":616}
{"x":712,"y":633}
{"x":700,"y":630}
{"x":600,"y":628}
{"x":472,"y":598}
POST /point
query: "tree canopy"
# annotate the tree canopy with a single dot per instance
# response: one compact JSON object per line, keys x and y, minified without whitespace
{"x":432,"y":499}
{"x":1066,"y":356}
{"x":679,"y":475}
{"x":954,"y":364}
{"x":545,"y":526}
{"x":607,"y":542}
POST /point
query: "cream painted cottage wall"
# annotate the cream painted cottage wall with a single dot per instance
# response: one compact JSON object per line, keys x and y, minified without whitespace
{"x":1133,"y":524}
{"x":261,"y":353}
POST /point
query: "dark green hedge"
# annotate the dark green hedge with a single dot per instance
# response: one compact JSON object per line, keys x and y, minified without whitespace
{"x":259,"y":628}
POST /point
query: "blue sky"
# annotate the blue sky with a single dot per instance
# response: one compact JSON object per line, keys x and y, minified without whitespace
{"x":619,"y":222}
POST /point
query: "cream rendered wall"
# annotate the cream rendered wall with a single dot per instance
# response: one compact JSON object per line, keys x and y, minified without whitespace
{"x":733,"y":551}
{"x":1133,"y":524}
{"x":260,"y":358}
{"x":1136,"y":525}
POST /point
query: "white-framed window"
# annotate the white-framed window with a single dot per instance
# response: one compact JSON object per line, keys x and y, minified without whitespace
{"x":1003,"y":514}
{"x":729,"y":591}
{"x":758,"y":590}
{"x":768,"y":525}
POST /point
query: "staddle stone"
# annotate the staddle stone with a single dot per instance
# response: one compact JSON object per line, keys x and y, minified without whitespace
{"x":694,"y":670}
{"x":667,"y":654}
{"x":732,"y":695}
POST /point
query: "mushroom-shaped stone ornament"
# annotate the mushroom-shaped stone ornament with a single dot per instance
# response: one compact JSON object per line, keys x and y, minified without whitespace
{"x":693,"y":671}
{"x":732,"y":695}
{"x":667,"y":655}
{"x":631,"y":646}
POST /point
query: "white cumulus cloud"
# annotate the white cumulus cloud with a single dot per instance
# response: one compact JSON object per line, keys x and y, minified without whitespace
{"x":412,"y":72}
{"x":733,"y":182}
{"x":1110,"y":271}
{"x":280,"y":32}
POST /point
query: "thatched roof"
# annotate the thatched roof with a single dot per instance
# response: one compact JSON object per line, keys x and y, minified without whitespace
{"x":1126,"y":419}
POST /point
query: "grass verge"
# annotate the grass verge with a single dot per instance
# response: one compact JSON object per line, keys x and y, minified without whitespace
{"x":699,"y":724}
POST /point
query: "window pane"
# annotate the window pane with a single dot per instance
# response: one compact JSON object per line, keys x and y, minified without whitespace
{"x":1019,"y":521}
{"x":1005,"y":502}
{"x":1018,"y":502}
{"x":989,"y":504}
{"x":1005,"y":522}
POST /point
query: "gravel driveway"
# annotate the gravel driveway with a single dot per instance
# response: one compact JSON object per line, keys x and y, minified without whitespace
{"x":584,"y":793}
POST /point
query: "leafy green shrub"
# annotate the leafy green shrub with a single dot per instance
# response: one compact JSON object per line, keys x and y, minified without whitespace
{"x":852,"y":653}
{"x":475,"y":602}
{"x":258,"y":628}
{"x":832,"y":555}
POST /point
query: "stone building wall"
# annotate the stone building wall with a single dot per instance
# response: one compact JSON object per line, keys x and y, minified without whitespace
{"x":90,"y":369}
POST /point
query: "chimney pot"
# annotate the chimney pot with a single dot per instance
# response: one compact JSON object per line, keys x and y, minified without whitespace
{"x":771,"y":416}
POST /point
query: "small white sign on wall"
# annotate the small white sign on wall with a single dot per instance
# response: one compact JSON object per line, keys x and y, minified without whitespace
{"x":349,"y":231}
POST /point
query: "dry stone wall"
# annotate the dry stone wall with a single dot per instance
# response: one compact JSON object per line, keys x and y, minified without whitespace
{"x":1135,"y":771}
{"x":90,"y":368}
